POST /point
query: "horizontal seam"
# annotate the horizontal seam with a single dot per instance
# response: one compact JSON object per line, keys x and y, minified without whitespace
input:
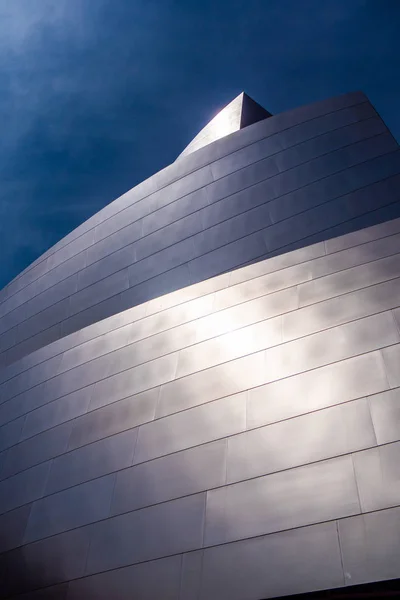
{"x":207,"y":294}
{"x":215,"y":312}
{"x":346,"y":107}
{"x":211,"y":441}
{"x":109,"y":517}
{"x":194,"y":212}
{"x":177,"y":554}
{"x":126,"y":269}
{"x":155,"y":419}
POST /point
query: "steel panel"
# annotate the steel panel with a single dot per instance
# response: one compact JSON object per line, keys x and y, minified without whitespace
{"x":191,"y":575}
{"x":265,"y":286}
{"x":291,"y":137}
{"x":85,"y":240}
{"x":370,"y":546}
{"x":18,"y":406}
{"x":357,"y":255}
{"x":385,"y":412}
{"x":37,"y":449}
{"x":232,"y":229}
{"x":169,"y":235}
{"x":114,"y":242}
{"x":166,"y":282}
{"x":279,"y":123}
{"x":364,"y":236}
{"x":109,"y":265}
{"x":12,"y":527}
{"x":170,"y":317}
{"x":92,"y":461}
{"x":11,"y":433}
{"x":23,"y":488}
{"x":109,"y":342}
{"x":153,"y":347}
{"x":70,"y":509}
{"x":329,"y":142}
{"x":309,"y":438}
{"x":174,"y":211}
{"x":57,"y":412}
{"x":348,"y":280}
{"x":228,"y":257}
{"x":281,"y":564}
{"x":52,"y":315}
{"x":236,"y":204}
{"x":169,"y":528}
{"x":44,"y":563}
{"x":391,"y":356}
{"x":335,"y":311}
{"x":243,"y":178}
{"x":79,"y":377}
{"x":55,"y":276}
{"x":211,"y":384}
{"x":276,"y":263}
{"x":93,"y":314}
{"x":378,"y":477}
{"x":331,"y":345}
{"x":136,"y":380}
{"x":306,"y":495}
{"x":54,"y":592}
{"x":243,"y":312}
{"x":58,"y":558}
{"x":155,"y":579}
{"x":190,"y":428}
{"x":230,"y":346}
{"x":320,"y":388}
{"x":169,"y":477}
{"x":31,"y":344}
{"x":40,"y":373}
{"x":334,"y":186}
{"x":158,"y":263}
{"x":102,"y":290}
{"x":114,"y":418}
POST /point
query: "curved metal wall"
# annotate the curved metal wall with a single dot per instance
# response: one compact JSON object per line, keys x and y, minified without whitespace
{"x":235,"y":438}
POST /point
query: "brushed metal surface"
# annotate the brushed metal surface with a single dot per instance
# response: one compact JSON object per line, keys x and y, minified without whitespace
{"x":199,"y":385}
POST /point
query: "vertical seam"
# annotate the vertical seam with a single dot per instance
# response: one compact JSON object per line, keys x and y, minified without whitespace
{"x":84,"y":574}
{"x":341,"y":553}
{"x":367,"y":398}
{"x":198,"y":594}
{"x":204,"y":519}
{"x":135,"y":444}
{"x":226,"y":461}
{"x":181,"y":577}
{"x":396,"y":322}
{"x":380,"y":352}
{"x":355,"y":480}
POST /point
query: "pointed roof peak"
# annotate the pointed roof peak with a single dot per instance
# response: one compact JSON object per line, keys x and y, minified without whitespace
{"x":239,"y":113}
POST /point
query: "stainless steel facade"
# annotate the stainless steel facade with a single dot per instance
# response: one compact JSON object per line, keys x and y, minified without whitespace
{"x":200,"y":386}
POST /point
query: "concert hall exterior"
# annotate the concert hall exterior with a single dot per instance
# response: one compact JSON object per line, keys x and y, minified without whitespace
{"x":200,"y":384}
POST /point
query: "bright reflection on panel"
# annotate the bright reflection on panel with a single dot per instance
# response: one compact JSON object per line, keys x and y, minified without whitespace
{"x":224,"y":123}
{"x":227,"y":121}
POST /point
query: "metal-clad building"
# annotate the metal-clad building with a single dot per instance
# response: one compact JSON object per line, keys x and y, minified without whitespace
{"x":199,"y":386}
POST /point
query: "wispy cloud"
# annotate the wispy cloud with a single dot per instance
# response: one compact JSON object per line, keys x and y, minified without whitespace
{"x":96,"y":95}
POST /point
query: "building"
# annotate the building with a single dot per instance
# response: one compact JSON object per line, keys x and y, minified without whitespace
{"x":200,"y":384}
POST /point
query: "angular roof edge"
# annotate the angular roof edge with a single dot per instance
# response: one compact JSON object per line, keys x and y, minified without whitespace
{"x":239,"y":113}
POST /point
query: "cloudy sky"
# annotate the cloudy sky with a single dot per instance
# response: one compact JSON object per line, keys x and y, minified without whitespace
{"x":97,"y":95}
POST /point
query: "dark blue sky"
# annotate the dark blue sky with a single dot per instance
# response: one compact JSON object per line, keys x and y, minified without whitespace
{"x":97,"y":95}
